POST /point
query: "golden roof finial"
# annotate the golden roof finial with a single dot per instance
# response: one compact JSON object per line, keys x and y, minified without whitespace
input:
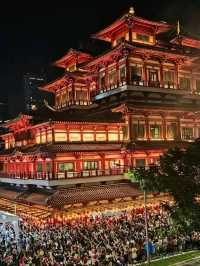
{"x":131,"y":11}
{"x":178,"y":29}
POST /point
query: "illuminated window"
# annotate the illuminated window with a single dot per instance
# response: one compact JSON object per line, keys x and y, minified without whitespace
{"x":155,"y":131}
{"x":140,"y":163}
{"x":102,"y":81}
{"x":81,"y":95}
{"x":43,"y":137}
{"x":74,"y":136}
{"x":121,"y":134}
{"x":114,"y":164}
{"x":143,"y":38}
{"x":168,"y":76}
{"x":139,"y":130}
{"x":120,"y":40}
{"x":88,"y":136}
{"x":90,"y":165}
{"x":136,"y":73}
{"x":49,"y":136}
{"x":63,"y":98}
{"x":187,"y":133}
{"x":6,"y":144}
{"x":184,"y":83}
{"x":113,"y":136}
{"x":112,"y":77}
{"x":172,"y":131}
{"x":198,"y":85}
{"x":39,"y":167}
{"x":62,"y":167}
{"x":37,"y":137}
{"x":60,"y":135}
{"x":100,"y":136}
{"x":122,"y":73}
{"x":48,"y":167}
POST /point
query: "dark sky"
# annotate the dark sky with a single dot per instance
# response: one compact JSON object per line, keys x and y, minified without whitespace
{"x":34,"y":34}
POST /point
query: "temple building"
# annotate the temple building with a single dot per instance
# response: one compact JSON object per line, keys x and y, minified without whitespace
{"x":121,"y":109}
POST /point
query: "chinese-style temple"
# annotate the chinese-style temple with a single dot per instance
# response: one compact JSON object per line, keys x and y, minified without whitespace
{"x":120,"y":109}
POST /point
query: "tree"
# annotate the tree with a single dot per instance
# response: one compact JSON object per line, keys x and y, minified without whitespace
{"x":179,"y":175}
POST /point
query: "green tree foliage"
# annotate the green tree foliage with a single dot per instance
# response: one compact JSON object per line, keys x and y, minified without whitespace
{"x":179,"y":175}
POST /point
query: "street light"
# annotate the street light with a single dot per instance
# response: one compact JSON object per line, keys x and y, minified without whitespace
{"x":138,"y":179}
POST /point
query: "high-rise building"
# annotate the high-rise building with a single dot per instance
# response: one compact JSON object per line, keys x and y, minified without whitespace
{"x":32,"y":97}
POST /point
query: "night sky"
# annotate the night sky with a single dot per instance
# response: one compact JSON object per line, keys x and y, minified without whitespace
{"x":34,"y":34}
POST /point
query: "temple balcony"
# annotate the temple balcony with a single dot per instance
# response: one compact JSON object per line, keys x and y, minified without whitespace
{"x":63,"y":178}
{"x":144,"y":86}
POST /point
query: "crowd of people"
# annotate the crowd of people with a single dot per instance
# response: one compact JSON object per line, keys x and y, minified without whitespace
{"x":101,"y":240}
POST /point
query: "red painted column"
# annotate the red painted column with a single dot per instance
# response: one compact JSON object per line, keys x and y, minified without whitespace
{"x":164,"y":128}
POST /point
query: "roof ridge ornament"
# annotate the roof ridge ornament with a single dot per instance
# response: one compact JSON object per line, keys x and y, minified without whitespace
{"x":178,"y":28}
{"x":131,"y":11}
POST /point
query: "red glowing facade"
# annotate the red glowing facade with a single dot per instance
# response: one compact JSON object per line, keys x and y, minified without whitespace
{"x":124,"y":107}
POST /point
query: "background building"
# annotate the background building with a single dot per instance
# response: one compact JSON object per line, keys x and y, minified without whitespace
{"x":32,"y":97}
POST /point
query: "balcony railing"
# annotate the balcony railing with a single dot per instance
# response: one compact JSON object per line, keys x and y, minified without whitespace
{"x":63,"y":175}
{"x":142,"y":83}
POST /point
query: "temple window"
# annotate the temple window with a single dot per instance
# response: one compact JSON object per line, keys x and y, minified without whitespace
{"x":198,"y":86}
{"x":90,"y":165}
{"x":153,"y":77}
{"x":171,"y":131}
{"x":6,"y":144}
{"x":60,"y":135}
{"x":140,"y":162}
{"x":114,"y":164}
{"x":49,"y":135}
{"x":39,"y":167}
{"x":112,"y":135}
{"x":187,"y":133}
{"x":74,"y":136}
{"x":102,"y":81}
{"x":156,"y":131}
{"x":88,"y":136}
{"x":70,"y":95}
{"x":122,"y":73}
{"x":139,"y":129}
{"x":136,"y":73}
{"x":120,"y":40}
{"x":63,"y":98}
{"x":81,"y":95}
{"x":100,"y":136}
{"x":43,"y":136}
{"x":185,"y":83}
{"x":68,"y":166}
{"x":37,"y":137}
{"x":58,"y":100}
{"x":142,"y":37}
{"x":112,"y":77}
{"x":168,"y":78}
{"x":48,"y":167}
